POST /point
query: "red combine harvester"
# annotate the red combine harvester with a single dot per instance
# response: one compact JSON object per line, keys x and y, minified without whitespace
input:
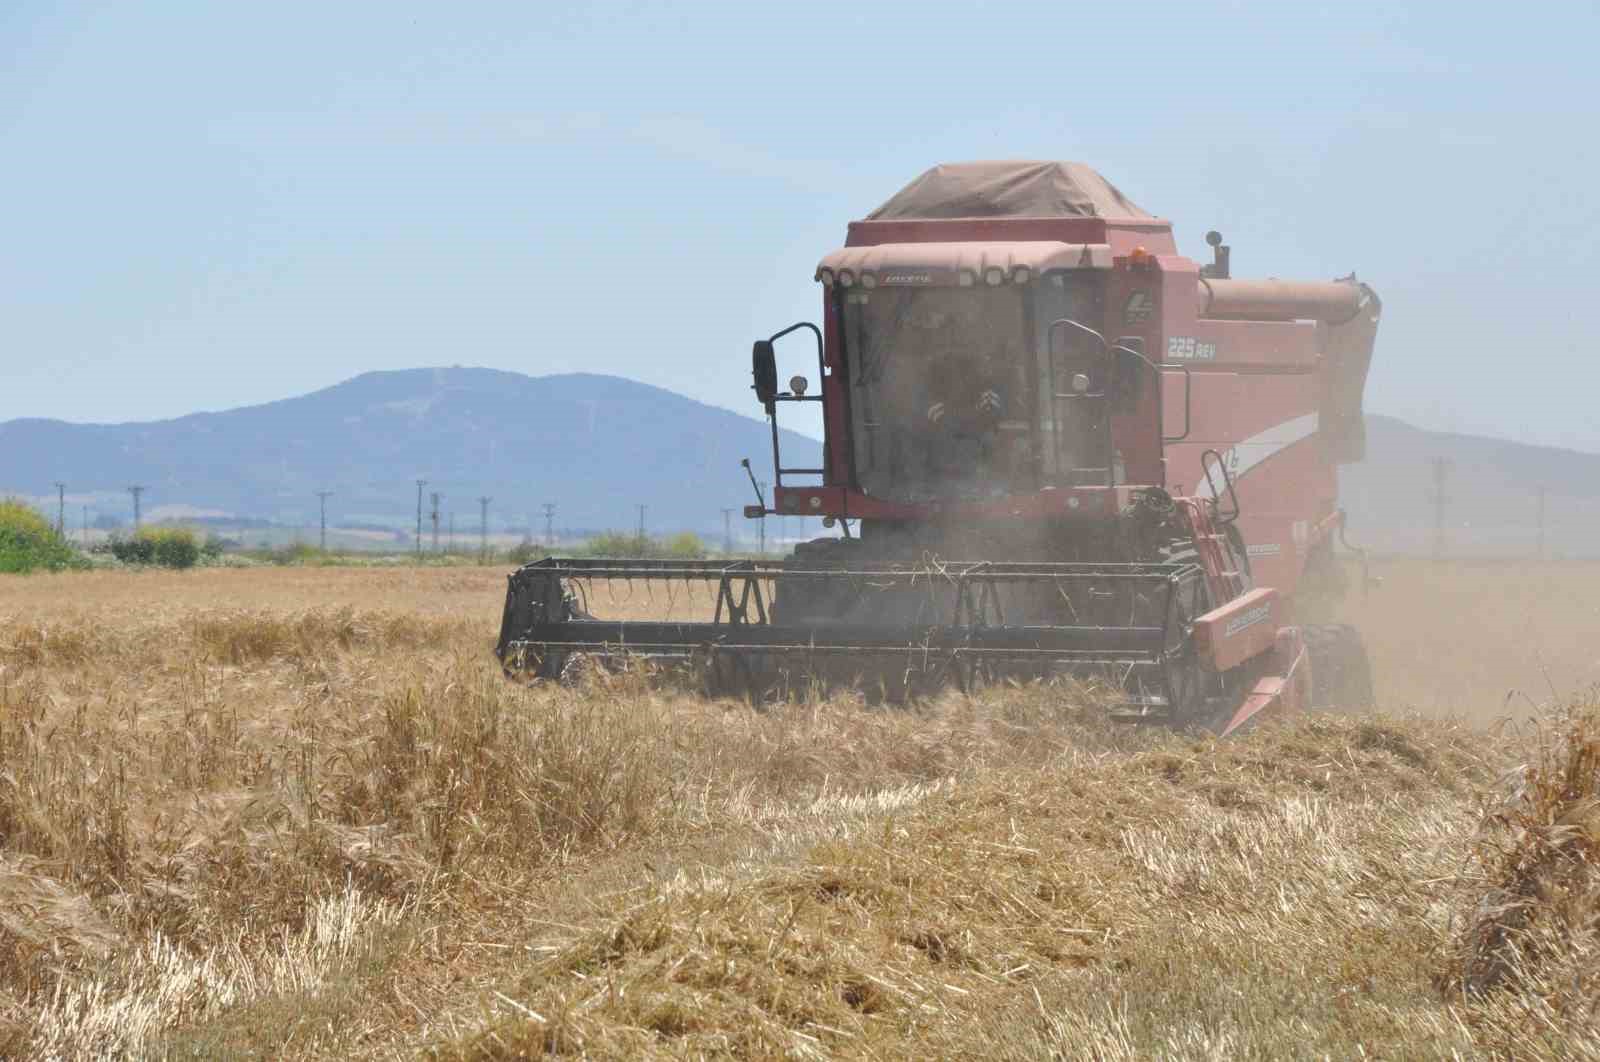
{"x":1054,"y":446}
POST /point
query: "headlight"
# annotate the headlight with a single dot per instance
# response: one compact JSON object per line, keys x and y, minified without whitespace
{"x":868,"y":280}
{"x":846,"y":278}
{"x":994,"y":276}
{"x":826,"y":276}
{"x":1021,"y":275}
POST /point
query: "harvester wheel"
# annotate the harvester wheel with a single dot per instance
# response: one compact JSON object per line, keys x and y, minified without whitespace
{"x":1341,"y":673}
{"x":795,"y":599}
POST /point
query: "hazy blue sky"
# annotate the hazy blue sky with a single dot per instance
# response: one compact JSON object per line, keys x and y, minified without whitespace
{"x":214,"y":204}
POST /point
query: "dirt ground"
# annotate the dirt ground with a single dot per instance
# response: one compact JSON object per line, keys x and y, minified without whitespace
{"x":1480,"y":640}
{"x":299,"y":813}
{"x":1476,"y":640}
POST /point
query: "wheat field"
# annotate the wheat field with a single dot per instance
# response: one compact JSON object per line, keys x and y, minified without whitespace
{"x":299,"y":813}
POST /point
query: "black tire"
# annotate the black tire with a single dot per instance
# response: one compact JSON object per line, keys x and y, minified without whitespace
{"x":1341,"y":673}
{"x":794,"y":600}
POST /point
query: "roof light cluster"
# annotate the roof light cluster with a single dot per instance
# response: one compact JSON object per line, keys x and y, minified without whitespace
{"x":994,"y":276}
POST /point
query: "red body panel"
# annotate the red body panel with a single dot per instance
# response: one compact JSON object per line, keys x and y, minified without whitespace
{"x":1240,"y":630}
{"x":1254,"y":391}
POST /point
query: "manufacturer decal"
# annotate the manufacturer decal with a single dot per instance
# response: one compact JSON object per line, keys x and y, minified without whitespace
{"x":1187,"y":348}
{"x":1246,"y":620}
{"x":906,"y":279}
{"x":1265,"y":549}
{"x":1248,"y":453}
{"x":1139,"y":308}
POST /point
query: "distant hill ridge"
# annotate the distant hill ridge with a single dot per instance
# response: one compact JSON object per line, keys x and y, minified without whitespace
{"x":598,"y":446}
{"x":595,"y":445}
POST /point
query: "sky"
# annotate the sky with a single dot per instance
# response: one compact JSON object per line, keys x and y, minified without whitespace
{"x":212,"y":205}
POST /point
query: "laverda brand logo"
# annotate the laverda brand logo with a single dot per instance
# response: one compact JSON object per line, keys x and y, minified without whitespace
{"x":1246,"y":619}
{"x":1139,"y":308}
{"x":906,"y":278}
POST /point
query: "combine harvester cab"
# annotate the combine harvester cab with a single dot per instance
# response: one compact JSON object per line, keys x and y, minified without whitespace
{"x":1053,"y":447}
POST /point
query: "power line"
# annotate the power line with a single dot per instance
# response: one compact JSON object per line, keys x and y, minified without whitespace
{"x":483,"y":528}
{"x":137,"y":492}
{"x":322,"y":504}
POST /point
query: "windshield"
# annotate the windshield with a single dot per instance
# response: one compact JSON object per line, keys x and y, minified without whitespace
{"x":940,"y":392}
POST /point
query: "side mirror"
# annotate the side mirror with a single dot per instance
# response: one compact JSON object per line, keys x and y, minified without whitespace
{"x":764,"y":371}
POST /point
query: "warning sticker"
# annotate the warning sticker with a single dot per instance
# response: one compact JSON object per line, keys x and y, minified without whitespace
{"x":1139,"y":308}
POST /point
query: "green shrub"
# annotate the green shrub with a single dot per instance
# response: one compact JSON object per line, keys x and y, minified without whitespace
{"x":302,"y":554}
{"x":169,"y":547}
{"x":617,"y":544}
{"x":526,"y":553}
{"x":29,"y":542}
{"x":685,"y":545}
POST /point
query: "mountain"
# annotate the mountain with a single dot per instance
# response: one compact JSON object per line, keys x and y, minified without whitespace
{"x":596,"y":446}
{"x":1491,"y":491}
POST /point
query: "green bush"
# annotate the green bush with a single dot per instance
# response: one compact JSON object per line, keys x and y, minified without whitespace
{"x":29,"y":542}
{"x":526,"y":553}
{"x":685,"y":545}
{"x":617,"y":544}
{"x":301,"y":554}
{"x":169,"y":547}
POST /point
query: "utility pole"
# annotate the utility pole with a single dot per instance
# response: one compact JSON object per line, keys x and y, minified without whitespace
{"x":322,"y":504}
{"x":549,"y":523}
{"x":137,"y":492}
{"x":761,"y":486}
{"x":641,"y":528}
{"x":727,"y":530}
{"x":61,"y":509}
{"x":434,"y":497}
{"x":85,"y":527}
{"x":483,"y":528}
{"x":1441,"y":475}
{"x":451,"y":541}
{"x":420,"y":484}
{"x":1541,"y":523}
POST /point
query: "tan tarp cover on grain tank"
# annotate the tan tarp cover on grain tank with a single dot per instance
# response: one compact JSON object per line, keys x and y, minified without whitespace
{"x":1008,"y":190}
